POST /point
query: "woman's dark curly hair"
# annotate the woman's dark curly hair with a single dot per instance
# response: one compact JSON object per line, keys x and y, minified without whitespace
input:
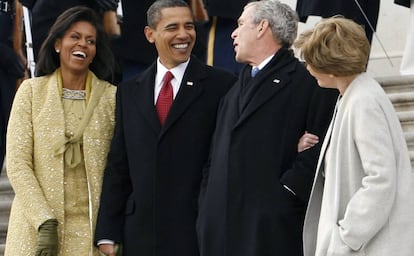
{"x":103,"y":63}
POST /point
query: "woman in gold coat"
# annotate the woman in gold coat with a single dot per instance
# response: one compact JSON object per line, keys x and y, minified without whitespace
{"x":59,"y":132}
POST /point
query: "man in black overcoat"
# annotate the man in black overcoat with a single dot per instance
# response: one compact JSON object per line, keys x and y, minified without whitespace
{"x":152,"y":179}
{"x":256,"y":185}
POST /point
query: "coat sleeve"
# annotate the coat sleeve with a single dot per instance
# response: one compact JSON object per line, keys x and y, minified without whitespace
{"x":116,"y":185}
{"x":19,"y":159}
{"x":228,"y":82}
{"x":299,"y":177}
{"x":206,"y":168}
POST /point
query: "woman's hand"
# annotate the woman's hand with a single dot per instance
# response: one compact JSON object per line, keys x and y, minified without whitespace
{"x":307,"y":141}
{"x":48,"y":239}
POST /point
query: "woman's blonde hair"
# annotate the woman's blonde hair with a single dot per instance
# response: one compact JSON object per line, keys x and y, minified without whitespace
{"x":336,"y":46}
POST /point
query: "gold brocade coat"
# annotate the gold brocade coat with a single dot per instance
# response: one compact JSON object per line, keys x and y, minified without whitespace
{"x":36,"y":174}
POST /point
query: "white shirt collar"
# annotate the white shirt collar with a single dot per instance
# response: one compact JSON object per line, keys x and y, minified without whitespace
{"x":264,"y":62}
{"x":177,"y":71}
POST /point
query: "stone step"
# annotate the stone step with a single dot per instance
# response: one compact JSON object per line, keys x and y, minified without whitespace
{"x":3,"y":232}
{"x":6,"y":198}
{"x":397,"y":84}
{"x":400,"y":90}
{"x":402,"y":101}
{"x":407,"y":120}
{"x":409,"y":137}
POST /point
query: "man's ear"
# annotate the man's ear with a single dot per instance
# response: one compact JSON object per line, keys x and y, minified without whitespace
{"x":262,"y":27}
{"x":149,"y":34}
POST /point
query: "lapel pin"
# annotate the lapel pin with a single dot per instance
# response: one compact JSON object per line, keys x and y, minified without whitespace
{"x":276,"y":81}
{"x":189,"y":83}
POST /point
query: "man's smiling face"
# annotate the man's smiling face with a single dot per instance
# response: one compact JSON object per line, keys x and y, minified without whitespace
{"x":174,"y":36}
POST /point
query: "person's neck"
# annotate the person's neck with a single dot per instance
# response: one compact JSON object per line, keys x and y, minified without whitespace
{"x":265,"y":52}
{"x":74,"y":81}
{"x":344,"y":82}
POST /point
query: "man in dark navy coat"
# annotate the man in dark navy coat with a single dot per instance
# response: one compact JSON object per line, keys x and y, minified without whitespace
{"x":256,"y":185}
{"x":152,"y":179}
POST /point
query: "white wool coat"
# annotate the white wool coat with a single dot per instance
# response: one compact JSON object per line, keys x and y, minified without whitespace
{"x":362,"y":197}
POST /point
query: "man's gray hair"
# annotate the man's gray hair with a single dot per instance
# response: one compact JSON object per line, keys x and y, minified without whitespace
{"x":283,"y":20}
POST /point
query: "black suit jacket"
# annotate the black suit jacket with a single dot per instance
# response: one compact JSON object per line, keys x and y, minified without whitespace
{"x":244,"y":208}
{"x":152,"y":179}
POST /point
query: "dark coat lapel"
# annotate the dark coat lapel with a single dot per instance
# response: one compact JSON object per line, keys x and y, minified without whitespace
{"x":190,"y":89}
{"x":144,"y":93}
{"x":273,"y":77}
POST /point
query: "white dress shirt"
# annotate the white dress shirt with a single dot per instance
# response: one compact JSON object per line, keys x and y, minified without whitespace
{"x":178,"y":73}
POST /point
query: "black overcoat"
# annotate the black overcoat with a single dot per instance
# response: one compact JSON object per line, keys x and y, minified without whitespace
{"x":244,"y":208}
{"x":152,"y":179}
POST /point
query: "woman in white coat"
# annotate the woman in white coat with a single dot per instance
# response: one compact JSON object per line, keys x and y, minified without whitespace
{"x":361,"y":201}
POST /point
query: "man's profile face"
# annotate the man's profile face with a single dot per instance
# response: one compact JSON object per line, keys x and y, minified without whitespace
{"x":174,"y":36}
{"x":245,"y":36}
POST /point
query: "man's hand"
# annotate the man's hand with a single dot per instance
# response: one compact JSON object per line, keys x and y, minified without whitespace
{"x":109,"y":250}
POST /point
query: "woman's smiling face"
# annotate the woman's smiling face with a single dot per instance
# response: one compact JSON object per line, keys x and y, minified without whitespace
{"x":77,"y":47}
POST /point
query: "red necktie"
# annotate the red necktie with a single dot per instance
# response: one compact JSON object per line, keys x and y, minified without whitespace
{"x":165,"y":98}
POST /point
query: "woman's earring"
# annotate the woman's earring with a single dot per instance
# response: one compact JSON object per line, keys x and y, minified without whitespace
{"x":57,"y":51}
